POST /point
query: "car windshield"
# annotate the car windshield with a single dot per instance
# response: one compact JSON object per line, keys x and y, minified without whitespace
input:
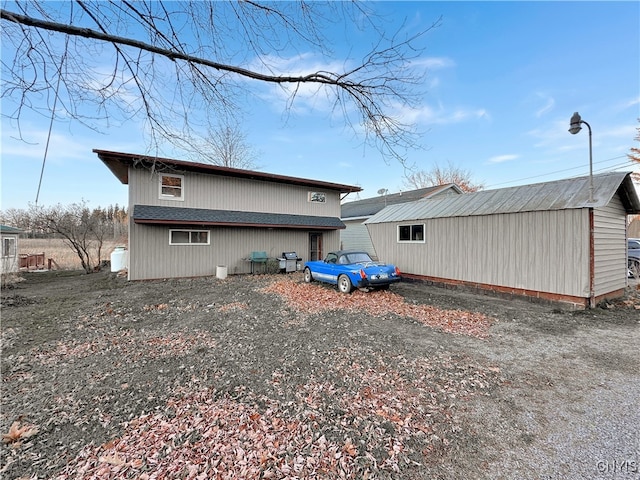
{"x":359,"y":257}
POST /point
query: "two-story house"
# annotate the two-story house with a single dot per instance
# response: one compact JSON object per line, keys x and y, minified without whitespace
{"x":187,"y":218}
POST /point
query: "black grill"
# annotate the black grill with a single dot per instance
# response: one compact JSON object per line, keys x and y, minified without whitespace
{"x":289,"y":261}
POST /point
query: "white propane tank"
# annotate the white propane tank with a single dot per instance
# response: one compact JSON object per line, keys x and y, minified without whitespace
{"x":118,"y":259}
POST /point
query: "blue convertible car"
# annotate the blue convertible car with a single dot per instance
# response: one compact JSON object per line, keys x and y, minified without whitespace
{"x":350,"y":269}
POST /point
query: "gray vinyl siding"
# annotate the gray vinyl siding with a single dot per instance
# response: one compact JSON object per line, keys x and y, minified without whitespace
{"x":539,"y":251}
{"x":152,"y":257}
{"x":229,"y":193}
{"x":356,"y":237}
{"x":610,"y":260}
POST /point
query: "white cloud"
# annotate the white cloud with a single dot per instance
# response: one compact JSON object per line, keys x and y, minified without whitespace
{"x":549,"y":103}
{"x":443,"y":116}
{"x":503,"y":158}
{"x":434,"y":63}
{"x":632,"y":102}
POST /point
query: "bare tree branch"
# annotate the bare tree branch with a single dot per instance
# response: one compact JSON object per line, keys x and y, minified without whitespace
{"x":381,"y":83}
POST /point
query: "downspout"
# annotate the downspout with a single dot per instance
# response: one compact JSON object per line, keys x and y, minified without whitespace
{"x":592,"y":260}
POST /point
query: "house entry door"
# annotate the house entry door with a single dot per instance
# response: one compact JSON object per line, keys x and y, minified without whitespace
{"x":315,"y":246}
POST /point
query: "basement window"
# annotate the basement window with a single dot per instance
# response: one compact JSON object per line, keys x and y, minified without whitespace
{"x":171,"y":187}
{"x":189,"y":237}
{"x":411,"y":233}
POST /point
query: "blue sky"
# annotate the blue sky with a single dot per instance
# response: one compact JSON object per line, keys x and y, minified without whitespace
{"x":503,"y":79}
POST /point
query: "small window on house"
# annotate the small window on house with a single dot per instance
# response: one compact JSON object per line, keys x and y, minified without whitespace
{"x":8,"y":247}
{"x":188,"y":237}
{"x":317,"y":197}
{"x":172,"y":187}
{"x":411,"y":233}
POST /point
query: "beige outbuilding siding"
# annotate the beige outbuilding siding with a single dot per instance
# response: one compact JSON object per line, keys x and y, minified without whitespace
{"x":610,"y":261}
{"x":524,"y":251}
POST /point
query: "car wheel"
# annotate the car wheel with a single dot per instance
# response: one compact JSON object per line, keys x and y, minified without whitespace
{"x":344,"y":284}
{"x":634,"y":267}
{"x":307,"y":275}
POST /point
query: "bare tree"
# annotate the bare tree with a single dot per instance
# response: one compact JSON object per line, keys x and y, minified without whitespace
{"x":84,"y":231}
{"x":226,"y":145}
{"x":208,"y":53}
{"x":442,"y":176}
{"x":634,"y":154}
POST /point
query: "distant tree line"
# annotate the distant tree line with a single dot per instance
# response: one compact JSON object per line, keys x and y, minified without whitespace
{"x":113,"y":218}
{"x":82,"y":229}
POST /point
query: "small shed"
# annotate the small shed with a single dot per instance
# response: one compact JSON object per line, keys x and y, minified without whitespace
{"x":9,"y":238}
{"x":548,"y":240}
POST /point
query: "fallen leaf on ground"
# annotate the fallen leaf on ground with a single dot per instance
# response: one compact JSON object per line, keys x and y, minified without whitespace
{"x":17,"y":433}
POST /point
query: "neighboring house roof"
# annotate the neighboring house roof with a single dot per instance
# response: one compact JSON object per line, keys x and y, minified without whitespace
{"x":119,"y":164}
{"x":152,"y":214}
{"x":558,"y":195}
{"x":8,"y":229}
{"x":370,"y":206}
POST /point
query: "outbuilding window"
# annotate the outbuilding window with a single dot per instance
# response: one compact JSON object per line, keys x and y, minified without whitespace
{"x":171,"y":187}
{"x":8,"y":247}
{"x":188,"y":237}
{"x":411,"y":233}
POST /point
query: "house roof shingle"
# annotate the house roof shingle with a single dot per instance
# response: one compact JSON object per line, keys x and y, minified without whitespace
{"x":161,"y":215}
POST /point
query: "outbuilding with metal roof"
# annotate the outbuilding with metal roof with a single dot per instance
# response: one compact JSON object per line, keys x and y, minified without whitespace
{"x":561,"y":241}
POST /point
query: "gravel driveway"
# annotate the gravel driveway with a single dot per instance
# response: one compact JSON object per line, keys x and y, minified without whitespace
{"x":125,"y":380}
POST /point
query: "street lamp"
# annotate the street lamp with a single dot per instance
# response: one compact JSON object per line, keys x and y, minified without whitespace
{"x":574,"y":127}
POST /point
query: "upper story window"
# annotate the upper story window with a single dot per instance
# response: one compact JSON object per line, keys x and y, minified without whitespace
{"x":171,"y":187}
{"x":411,"y":233}
{"x":317,"y":197}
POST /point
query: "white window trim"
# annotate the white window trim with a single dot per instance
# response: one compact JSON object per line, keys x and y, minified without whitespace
{"x":170,"y":197}
{"x":208,"y":232}
{"x":424,"y":229}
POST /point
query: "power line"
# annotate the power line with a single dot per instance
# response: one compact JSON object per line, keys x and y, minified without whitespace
{"x":566,"y":170}
{"x":53,"y":114}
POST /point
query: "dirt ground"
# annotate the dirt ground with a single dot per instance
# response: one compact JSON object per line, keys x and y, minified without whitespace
{"x":267,"y":377}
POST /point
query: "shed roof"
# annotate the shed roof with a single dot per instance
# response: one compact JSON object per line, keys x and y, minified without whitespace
{"x":557,"y":195}
{"x":8,"y":229}
{"x":370,"y":206}
{"x":119,"y":164}
{"x":160,"y":215}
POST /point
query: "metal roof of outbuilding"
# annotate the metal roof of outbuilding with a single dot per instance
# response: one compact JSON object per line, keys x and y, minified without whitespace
{"x":370,"y":206}
{"x":557,"y":195}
